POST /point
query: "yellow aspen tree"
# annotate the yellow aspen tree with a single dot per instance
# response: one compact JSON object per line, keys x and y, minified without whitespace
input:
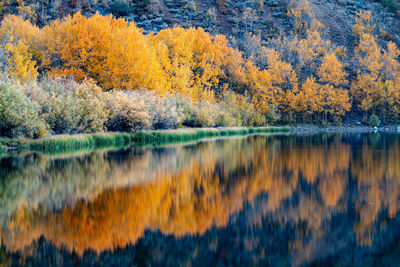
{"x":76,"y":46}
{"x":309,"y":99}
{"x":393,"y":90}
{"x":20,"y":65}
{"x":363,"y":24}
{"x":331,"y":71}
{"x":17,"y":29}
{"x":336,"y":101}
{"x":130,"y":63}
{"x":179,"y":44}
{"x":378,"y":68}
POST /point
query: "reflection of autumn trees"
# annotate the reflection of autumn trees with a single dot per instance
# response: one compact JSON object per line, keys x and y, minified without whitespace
{"x":35,"y":181}
{"x":302,"y":182}
{"x":378,"y":174}
{"x":188,"y":201}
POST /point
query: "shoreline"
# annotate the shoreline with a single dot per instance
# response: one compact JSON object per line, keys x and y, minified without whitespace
{"x":298,"y":129}
{"x":67,"y":143}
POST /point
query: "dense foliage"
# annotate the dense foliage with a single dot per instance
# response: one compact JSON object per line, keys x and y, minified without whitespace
{"x":189,"y":77}
{"x":59,"y":106}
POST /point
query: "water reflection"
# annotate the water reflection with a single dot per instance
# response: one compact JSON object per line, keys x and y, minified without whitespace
{"x":268,"y":200}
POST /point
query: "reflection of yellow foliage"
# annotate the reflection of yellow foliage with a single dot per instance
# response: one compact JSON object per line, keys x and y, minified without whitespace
{"x":210,"y":184}
{"x":188,"y":200}
{"x":332,"y":188}
{"x":378,"y":176}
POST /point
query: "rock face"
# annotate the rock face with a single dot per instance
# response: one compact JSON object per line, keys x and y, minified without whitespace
{"x":232,"y":18}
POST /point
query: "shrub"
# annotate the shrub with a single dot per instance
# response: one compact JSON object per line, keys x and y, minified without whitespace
{"x":164,"y":112}
{"x":374,"y":121}
{"x":91,"y":107}
{"x":207,"y":114}
{"x":141,"y":6}
{"x":119,"y":8}
{"x":127,"y":112}
{"x":69,"y":107}
{"x":230,"y":111}
{"x":188,"y":110}
{"x":19,"y":115}
{"x":237,"y":110}
{"x":250,"y":116}
{"x":233,"y":110}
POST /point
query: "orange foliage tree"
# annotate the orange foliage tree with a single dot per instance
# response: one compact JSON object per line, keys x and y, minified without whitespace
{"x":318,"y":64}
{"x":302,"y":74}
{"x":376,"y":87}
{"x":117,"y":55}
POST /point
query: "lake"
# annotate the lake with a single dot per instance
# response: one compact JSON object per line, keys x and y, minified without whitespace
{"x":263,"y":200}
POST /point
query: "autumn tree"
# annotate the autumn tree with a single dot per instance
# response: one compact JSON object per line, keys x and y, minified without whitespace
{"x":375,"y":88}
{"x":109,"y":50}
{"x":18,"y":40}
{"x":18,"y":62}
{"x":319,"y":69}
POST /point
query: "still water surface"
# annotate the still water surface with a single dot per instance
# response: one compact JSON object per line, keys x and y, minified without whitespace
{"x":279,"y":200}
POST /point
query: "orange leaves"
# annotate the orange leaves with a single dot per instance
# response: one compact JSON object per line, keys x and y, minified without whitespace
{"x":192,"y":63}
{"x":114,"y":53}
{"x":368,"y":90}
{"x":20,"y":48}
{"x":315,"y":99}
{"x":281,"y":72}
{"x":309,"y":98}
{"x":368,"y":54}
{"x":313,"y":70}
{"x":18,"y":29}
{"x":375,"y":88}
{"x":336,"y":101}
{"x":117,"y":55}
{"x":391,"y":64}
{"x":331,"y":71}
{"x":363,"y":24}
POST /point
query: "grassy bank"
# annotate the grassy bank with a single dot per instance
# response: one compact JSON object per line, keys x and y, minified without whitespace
{"x":60,"y":143}
{"x":183,"y":135}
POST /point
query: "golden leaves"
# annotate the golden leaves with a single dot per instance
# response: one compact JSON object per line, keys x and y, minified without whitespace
{"x":20,"y":65}
{"x":375,"y":88}
{"x":331,"y":71}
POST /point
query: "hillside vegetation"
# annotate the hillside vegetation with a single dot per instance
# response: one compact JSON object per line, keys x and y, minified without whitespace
{"x":89,"y":74}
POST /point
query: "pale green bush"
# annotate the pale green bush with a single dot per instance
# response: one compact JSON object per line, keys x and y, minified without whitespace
{"x":91,"y":107}
{"x":200,"y":114}
{"x":188,"y":110}
{"x":164,"y":112}
{"x":127,"y":112}
{"x":19,"y":116}
{"x":206,"y":114}
{"x":69,"y":107}
{"x":230,"y":114}
{"x":63,"y":106}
